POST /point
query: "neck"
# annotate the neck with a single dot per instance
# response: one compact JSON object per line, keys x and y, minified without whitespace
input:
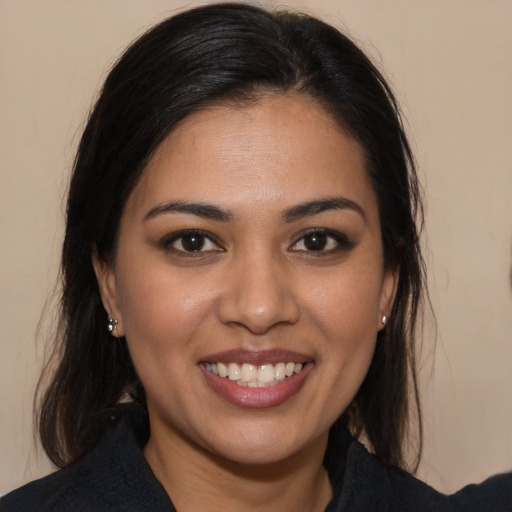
{"x":198,"y":480}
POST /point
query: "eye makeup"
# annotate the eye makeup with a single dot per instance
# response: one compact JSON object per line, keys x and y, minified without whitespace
{"x":191,"y":243}
{"x":322,"y":240}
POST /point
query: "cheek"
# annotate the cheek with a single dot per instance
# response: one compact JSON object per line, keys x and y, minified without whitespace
{"x":346,"y":304}
{"x":164,"y":321}
{"x":162,"y":311}
{"x":341,"y":314}
{"x":345,"y":309}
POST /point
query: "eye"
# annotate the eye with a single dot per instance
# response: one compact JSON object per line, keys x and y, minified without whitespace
{"x":322,"y":240}
{"x":191,"y":242}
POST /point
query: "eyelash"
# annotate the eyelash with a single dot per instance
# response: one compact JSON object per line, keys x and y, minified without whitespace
{"x":204,"y":237}
{"x":329,"y":236}
{"x":341,"y":241}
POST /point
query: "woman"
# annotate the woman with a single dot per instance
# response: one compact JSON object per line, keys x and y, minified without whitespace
{"x":241,"y":282}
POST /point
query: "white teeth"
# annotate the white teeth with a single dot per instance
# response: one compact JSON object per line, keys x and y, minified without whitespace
{"x":254,"y":376}
{"x":266,"y":373}
{"x":280,"y":369}
{"x":223,"y":371}
{"x":249,"y":372}
{"x":233,"y":371}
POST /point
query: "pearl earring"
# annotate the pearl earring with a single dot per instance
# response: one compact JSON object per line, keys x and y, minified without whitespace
{"x":111,"y":325}
{"x":384,"y":320}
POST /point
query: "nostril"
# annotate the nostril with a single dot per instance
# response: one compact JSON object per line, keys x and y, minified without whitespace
{"x":258,"y":294}
{"x":257,"y":316}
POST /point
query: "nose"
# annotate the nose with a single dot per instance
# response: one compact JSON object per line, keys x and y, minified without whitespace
{"x":258,"y":295}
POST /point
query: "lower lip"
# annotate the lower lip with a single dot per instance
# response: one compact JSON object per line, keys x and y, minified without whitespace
{"x":257,"y":398}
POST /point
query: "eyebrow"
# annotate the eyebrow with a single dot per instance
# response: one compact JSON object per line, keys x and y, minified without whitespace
{"x":322,"y":205}
{"x":292,"y":214}
{"x":204,"y":210}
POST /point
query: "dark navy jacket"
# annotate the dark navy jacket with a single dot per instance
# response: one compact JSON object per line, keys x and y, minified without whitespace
{"x":115,"y":477}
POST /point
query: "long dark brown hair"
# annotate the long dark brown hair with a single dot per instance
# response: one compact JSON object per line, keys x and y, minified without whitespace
{"x":215,"y":54}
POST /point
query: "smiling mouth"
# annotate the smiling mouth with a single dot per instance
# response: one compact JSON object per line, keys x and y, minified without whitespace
{"x":255,"y":376}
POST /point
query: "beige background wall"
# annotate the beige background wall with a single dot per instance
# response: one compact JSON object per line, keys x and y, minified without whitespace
{"x":451,"y":66}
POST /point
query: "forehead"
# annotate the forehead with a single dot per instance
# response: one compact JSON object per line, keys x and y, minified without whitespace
{"x":283,"y":148}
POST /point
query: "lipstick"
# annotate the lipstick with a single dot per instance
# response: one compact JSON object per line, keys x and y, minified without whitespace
{"x":256,"y":379}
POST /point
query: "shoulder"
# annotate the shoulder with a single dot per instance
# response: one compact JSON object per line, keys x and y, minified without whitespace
{"x":494,"y":494}
{"x":371,"y":485}
{"x":114,"y":476}
{"x":62,"y":490}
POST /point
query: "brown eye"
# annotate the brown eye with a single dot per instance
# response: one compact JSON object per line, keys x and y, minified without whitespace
{"x":315,"y":241}
{"x":193,"y":242}
{"x":324,"y":241}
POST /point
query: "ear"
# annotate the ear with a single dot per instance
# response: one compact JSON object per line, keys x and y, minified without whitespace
{"x":106,"y":278}
{"x":387,"y":294}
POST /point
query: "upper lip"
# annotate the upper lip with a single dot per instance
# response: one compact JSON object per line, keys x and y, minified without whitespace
{"x":256,"y":357}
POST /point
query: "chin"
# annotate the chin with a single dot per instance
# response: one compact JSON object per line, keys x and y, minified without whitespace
{"x":264,"y":446}
{"x":257,"y":456}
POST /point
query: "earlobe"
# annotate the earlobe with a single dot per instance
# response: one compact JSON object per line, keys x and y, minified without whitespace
{"x":387,"y":296}
{"x":106,"y":279}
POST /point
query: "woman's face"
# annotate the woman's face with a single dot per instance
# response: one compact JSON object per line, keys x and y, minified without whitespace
{"x":251,"y":247}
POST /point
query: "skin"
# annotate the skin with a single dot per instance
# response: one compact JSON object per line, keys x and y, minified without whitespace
{"x":255,"y":284}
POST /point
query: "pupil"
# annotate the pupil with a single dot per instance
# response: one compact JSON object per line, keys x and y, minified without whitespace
{"x":315,"y":242}
{"x":193,"y":243}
